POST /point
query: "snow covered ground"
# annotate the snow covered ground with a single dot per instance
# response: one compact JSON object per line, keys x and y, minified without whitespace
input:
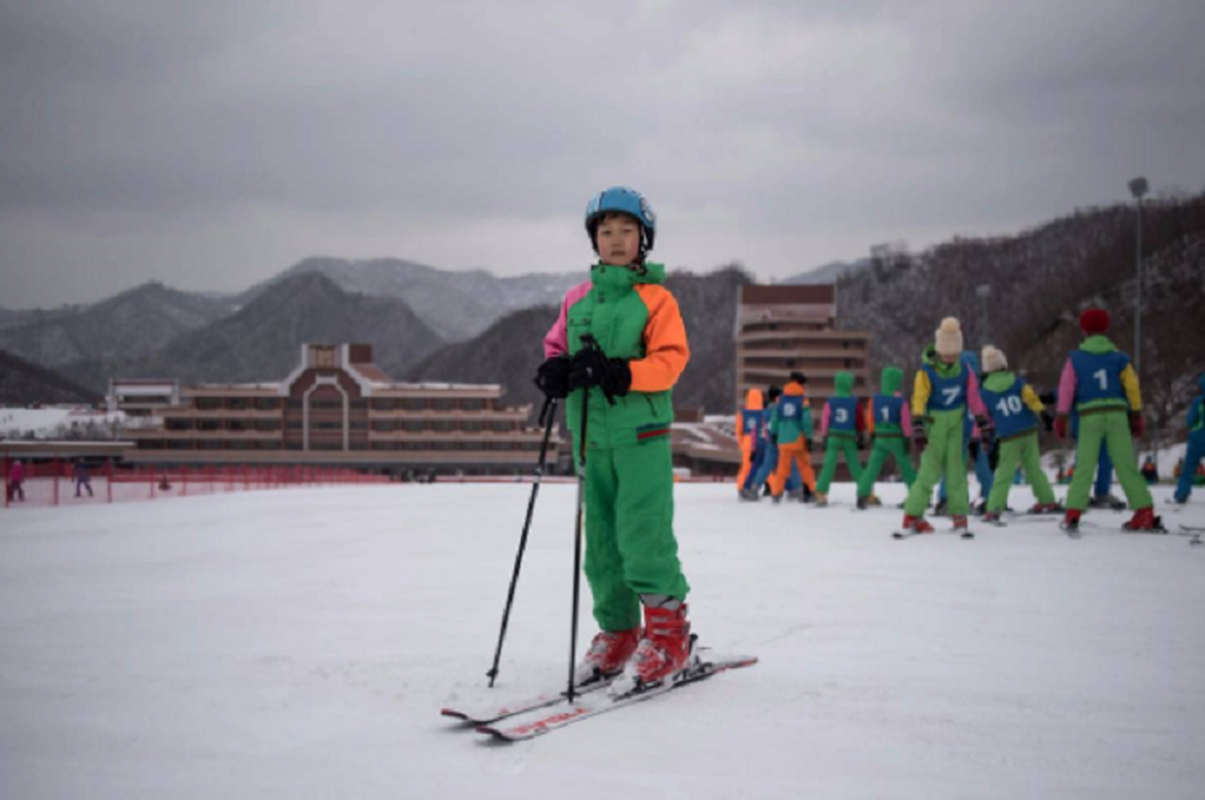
{"x":300,"y":643}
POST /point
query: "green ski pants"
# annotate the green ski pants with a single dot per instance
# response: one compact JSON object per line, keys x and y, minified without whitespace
{"x":835,"y":446}
{"x":630,"y":544}
{"x":946,"y":452}
{"x":1022,"y":451}
{"x":885,"y":446}
{"x":1113,"y":428}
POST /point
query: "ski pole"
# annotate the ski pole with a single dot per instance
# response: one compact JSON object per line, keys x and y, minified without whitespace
{"x":547,"y":416}
{"x":577,"y":539}
{"x":591,"y":343}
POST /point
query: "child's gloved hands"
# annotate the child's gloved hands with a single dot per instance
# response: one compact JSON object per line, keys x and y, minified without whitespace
{"x":591,"y":367}
{"x":553,"y":378}
{"x":1060,"y":426}
{"x":919,"y":438}
{"x":987,"y":431}
{"x":1137,"y":425}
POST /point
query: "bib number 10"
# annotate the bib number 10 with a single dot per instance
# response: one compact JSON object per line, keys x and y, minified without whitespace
{"x":1009,"y":406}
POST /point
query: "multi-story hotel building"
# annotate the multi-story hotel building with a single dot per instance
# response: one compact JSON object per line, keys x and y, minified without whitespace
{"x":338,"y":408}
{"x":783,"y":329}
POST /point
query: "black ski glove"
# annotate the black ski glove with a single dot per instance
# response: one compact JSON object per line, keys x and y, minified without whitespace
{"x":861,"y":441}
{"x":591,"y":367}
{"x":553,"y":378}
{"x":1048,"y":421}
{"x":973,"y":450}
{"x":987,"y":431}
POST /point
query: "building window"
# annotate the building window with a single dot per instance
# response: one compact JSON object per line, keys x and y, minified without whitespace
{"x":293,"y":446}
{"x":266,"y":404}
{"x":179,"y":424}
{"x":472,"y":404}
{"x":498,"y":425}
{"x":212,"y":444}
{"x":267,"y":445}
{"x":321,"y":445}
{"x":295,"y":403}
{"x":180,"y":445}
{"x":209,"y":403}
{"x":358,"y":424}
{"x":267,"y":425}
{"x":471,"y":426}
{"x":383,"y":404}
{"x":327,"y":405}
{"x":378,"y":425}
{"x":414,"y":404}
{"x":326,"y":426}
{"x":236,"y":425}
{"x":442,"y":425}
{"x":501,"y":445}
{"x":208,"y":425}
{"x":295,"y":424}
{"x":414,"y":426}
{"x":384,"y":445}
{"x":359,"y":405}
{"x":443,"y":404}
{"x":236,"y":403}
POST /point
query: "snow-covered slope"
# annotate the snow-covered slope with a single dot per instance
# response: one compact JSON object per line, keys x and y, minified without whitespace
{"x":300,"y":644}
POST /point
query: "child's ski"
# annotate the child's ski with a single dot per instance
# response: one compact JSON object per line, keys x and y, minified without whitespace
{"x":556,"y":716}
{"x":910,"y":534}
{"x":482,"y":713}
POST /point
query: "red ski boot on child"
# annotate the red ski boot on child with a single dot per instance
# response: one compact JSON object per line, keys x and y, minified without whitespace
{"x":1145,"y":521}
{"x":608,"y":653}
{"x":664,"y":650}
{"x":916,"y":525}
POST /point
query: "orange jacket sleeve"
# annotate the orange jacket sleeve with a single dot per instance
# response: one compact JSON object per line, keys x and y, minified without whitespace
{"x":665,"y":349}
{"x":869,"y":417}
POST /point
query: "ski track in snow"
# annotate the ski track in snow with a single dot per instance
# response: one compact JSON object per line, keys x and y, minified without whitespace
{"x":300,"y":644}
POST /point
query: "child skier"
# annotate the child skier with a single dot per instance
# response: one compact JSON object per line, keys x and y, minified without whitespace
{"x":977,"y":454}
{"x":751,"y":437}
{"x":887,"y":417}
{"x":794,"y":428}
{"x":625,"y":375}
{"x":769,"y":462}
{"x":841,"y":429}
{"x":940,"y":396}
{"x":1196,"y":444}
{"x":1099,"y":382}
{"x":1014,"y":408}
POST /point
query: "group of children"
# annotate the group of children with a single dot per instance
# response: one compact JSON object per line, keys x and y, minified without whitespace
{"x":954,"y":413}
{"x":618,"y":347}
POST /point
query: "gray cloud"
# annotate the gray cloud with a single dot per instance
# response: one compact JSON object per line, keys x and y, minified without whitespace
{"x":211,"y":144}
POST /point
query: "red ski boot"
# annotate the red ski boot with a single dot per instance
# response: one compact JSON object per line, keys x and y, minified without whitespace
{"x":1145,"y":521}
{"x":916,"y":525}
{"x":608,"y":652}
{"x":1046,"y":508}
{"x":1070,"y":523}
{"x":663,"y":651}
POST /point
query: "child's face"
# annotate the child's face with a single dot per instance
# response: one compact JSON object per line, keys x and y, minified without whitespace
{"x":618,"y":240}
{"x":948,"y":358}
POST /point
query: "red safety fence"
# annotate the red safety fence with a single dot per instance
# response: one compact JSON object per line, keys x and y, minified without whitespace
{"x":58,"y":482}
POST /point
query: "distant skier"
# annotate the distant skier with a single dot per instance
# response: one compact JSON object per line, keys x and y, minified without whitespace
{"x":1196,"y":444}
{"x":887,"y":420}
{"x":16,"y":479}
{"x":1015,"y":410}
{"x":769,"y":462}
{"x":626,"y":380}
{"x":943,"y":390}
{"x":794,"y":429}
{"x":82,"y":479}
{"x":751,"y":436}
{"x":842,"y":426}
{"x":1099,"y":382}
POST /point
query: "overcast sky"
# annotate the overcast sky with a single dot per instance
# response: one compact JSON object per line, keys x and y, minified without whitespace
{"x":212,"y":144}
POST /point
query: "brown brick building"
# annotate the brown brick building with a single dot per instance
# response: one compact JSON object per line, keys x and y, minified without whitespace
{"x":338,"y":408}
{"x":781,"y":329}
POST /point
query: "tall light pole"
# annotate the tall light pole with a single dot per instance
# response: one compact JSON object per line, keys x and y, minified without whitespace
{"x":1138,"y":188}
{"x":985,"y":292}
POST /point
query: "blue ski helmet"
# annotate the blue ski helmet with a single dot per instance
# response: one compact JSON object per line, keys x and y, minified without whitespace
{"x":621,"y":199}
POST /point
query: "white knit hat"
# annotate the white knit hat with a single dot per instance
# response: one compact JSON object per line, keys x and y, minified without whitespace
{"x":993,"y":360}
{"x":949,"y":337}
